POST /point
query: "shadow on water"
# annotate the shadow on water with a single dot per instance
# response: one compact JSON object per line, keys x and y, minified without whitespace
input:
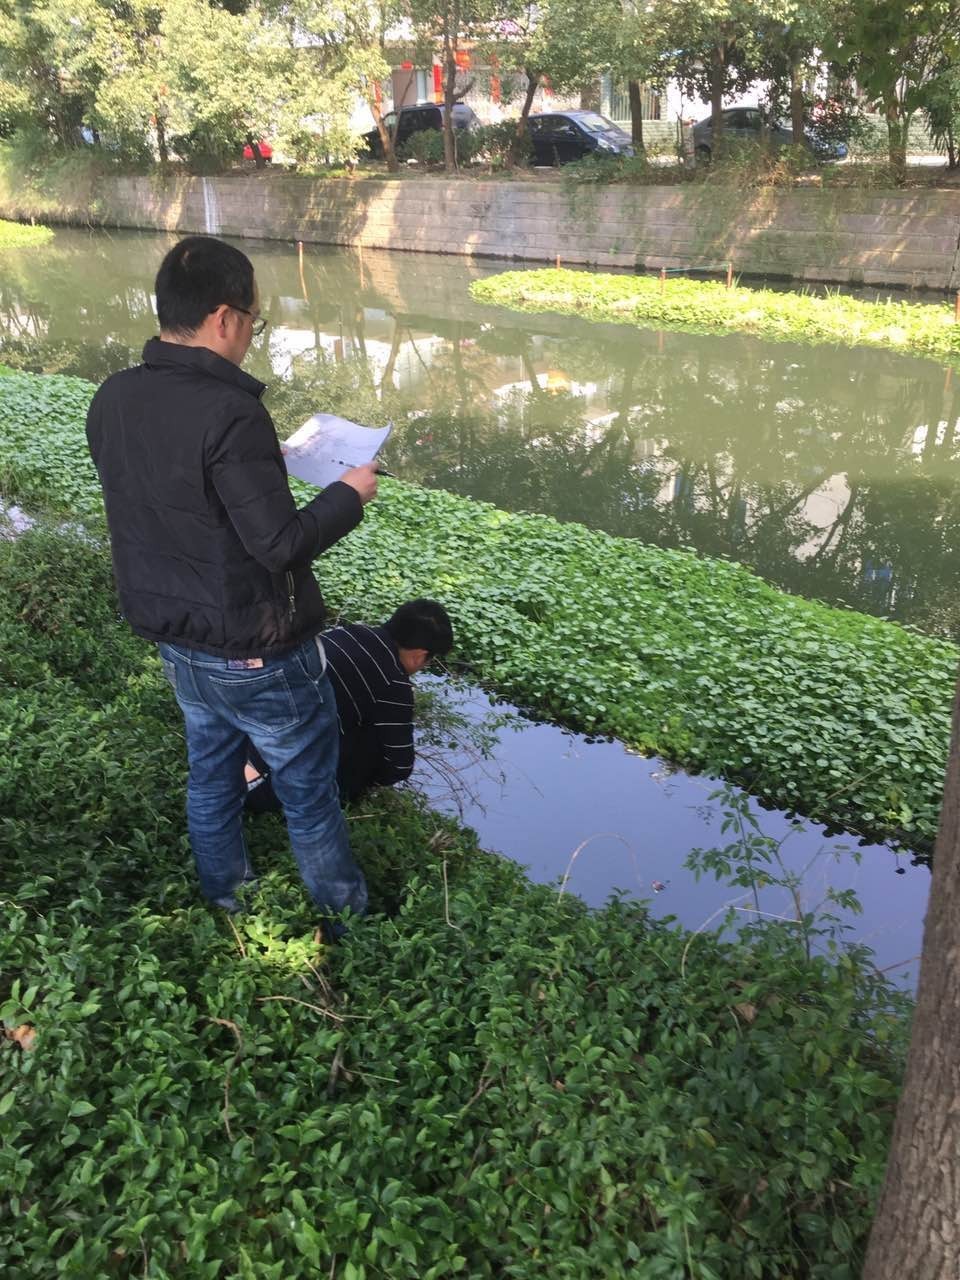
{"x":604,"y":819}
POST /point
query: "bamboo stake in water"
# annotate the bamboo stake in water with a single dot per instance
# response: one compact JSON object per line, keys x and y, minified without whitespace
{"x":663,"y":280}
{"x":729,"y":275}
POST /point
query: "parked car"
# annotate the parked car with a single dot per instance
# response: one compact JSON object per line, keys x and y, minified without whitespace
{"x":410,"y":120}
{"x":265,"y":149}
{"x":557,"y":137}
{"x":746,"y":124}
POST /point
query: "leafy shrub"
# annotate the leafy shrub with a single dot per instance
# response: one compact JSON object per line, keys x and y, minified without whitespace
{"x":496,"y":143}
{"x":426,"y":147}
{"x":490,"y":1081}
{"x":841,"y":716}
{"x":486,"y":144}
{"x":600,"y":170}
{"x":210,"y":146}
{"x":744,"y":163}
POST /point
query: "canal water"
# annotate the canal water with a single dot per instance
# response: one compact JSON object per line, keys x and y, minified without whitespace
{"x":833,"y":473}
{"x":596,"y":818}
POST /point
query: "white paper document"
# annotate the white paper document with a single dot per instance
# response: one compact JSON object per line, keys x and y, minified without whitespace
{"x":326,"y":446}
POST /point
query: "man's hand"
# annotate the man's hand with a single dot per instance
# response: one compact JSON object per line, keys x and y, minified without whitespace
{"x":363,"y":479}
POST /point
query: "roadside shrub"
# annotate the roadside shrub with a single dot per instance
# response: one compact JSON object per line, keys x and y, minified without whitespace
{"x":426,"y":147}
{"x":743,"y":164}
{"x":484,"y":145}
{"x":211,"y":146}
{"x":600,"y":170}
{"x":497,"y":143}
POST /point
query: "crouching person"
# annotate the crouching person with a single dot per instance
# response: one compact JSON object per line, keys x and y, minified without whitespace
{"x":370,"y":670}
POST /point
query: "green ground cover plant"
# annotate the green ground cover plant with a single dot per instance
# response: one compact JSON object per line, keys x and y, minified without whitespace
{"x":486,"y":1079}
{"x":708,"y":306}
{"x":19,"y":235}
{"x":835,"y":714}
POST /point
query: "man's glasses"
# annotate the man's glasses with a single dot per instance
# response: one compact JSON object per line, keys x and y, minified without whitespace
{"x":259,"y":322}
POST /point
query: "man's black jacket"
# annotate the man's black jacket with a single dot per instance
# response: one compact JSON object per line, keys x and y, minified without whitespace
{"x":209,"y":549}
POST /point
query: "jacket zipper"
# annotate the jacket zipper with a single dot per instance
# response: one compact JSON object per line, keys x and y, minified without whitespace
{"x":291,"y":595}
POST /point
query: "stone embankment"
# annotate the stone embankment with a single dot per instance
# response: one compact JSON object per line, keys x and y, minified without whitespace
{"x":902,"y":238}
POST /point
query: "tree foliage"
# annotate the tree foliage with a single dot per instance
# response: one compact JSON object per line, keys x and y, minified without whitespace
{"x":201,"y":77}
{"x":900,"y":54}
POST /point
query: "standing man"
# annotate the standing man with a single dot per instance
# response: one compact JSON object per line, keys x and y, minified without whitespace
{"x":212,"y":561}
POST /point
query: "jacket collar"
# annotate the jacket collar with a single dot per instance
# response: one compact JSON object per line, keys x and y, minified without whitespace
{"x":158,"y":354}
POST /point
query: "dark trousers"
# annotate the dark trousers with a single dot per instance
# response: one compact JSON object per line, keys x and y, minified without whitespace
{"x":361,"y":761}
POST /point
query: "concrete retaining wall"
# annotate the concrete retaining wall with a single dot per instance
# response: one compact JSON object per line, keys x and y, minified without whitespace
{"x":908,"y":238}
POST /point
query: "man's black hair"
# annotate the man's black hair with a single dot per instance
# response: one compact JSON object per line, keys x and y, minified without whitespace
{"x":421,"y":624}
{"x":198,"y":275}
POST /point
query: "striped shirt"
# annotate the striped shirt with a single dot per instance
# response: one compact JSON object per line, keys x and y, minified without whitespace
{"x":373,"y":692}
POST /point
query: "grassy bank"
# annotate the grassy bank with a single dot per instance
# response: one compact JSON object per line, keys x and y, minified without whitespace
{"x":706,"y":306}
{"x":838,"y":715}
{"x":484,"y":1080}
{"x":18,"y":235}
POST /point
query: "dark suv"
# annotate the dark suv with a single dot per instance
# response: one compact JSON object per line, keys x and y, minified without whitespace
{"x":409,"y":120}
{"x":559,"y":136}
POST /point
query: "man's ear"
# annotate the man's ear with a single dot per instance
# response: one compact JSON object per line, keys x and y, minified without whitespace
{"x":219,"y":317}
{"x":414,"y":660}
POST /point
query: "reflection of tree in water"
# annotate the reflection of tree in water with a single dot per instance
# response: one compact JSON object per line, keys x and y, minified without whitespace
{"x":805,"y":471}
{"x":78,"y":313}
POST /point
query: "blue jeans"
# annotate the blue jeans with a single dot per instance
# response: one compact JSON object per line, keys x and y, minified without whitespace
{"x":287,"y":710}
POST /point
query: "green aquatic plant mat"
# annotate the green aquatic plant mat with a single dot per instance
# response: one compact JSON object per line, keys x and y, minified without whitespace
{"x":486,"y":1079}
{"x":708,"y":306}
{"x":838,"y":715}
{"x":20,"y":235}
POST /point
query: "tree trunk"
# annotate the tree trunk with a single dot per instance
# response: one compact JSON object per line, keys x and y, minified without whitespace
{"x":386,"y":135}
{"x":898,"y":125}
{"x":717,"y":78}
{"x":258,"y":158}
{"x":796,"y":102}
{"x":161,"y":128}
{"x":533,"y":79}
{"x":449,"y":87}
{"x":451,"y":29}
{"x":915,"y":1234}
{"x":636,"y":115}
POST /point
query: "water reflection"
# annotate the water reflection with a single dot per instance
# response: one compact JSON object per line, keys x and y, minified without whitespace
{"x":831,"y":472}
{"x":632,"y":821}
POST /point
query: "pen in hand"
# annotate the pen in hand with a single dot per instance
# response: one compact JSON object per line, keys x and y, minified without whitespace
{"x":380,"y":471}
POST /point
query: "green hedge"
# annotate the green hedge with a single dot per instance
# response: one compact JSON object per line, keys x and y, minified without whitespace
{"x":841,"y":716}
{"x":488,"y":1081}
{"x":707,"y":306}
